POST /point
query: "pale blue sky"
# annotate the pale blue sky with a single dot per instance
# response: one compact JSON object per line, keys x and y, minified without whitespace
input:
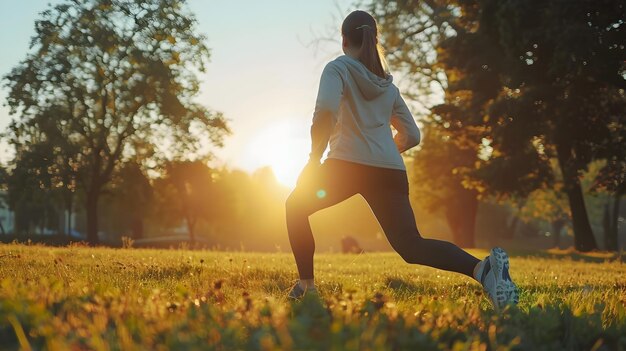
{"x":262,"y":75}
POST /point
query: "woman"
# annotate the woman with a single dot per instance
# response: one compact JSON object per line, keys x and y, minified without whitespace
{"x":357,"y":103}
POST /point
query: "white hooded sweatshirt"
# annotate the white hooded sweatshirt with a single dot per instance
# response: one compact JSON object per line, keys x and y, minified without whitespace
{"x":359,"y":107}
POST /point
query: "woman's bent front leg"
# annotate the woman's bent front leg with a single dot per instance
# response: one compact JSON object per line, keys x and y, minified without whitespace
{"x":303,"y":202}
{"x":300,"y":234}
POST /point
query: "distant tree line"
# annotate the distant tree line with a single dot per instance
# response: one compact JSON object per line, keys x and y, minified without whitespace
{"x":534,"y":93}
{"x":212,"y":207}
{"x":217,"y":207}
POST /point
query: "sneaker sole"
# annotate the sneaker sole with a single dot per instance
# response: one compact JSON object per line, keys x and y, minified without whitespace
{"x":506,"y":290}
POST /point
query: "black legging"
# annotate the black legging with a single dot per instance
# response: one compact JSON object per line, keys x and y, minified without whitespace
{"x":387,"y":192}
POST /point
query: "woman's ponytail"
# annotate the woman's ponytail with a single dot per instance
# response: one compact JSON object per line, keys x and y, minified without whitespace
{"x":359,"y":28}
{"x":370,"y":55}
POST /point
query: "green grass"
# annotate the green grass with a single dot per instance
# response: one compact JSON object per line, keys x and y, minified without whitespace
{"x":101,"y":299}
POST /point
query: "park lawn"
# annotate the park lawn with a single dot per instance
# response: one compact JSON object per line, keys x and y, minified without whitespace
{"x":81,"y":298}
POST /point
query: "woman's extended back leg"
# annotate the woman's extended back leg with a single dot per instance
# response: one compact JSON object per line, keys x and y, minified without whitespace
{"x":395,"y":215}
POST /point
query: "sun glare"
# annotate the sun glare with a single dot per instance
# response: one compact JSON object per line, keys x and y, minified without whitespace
{"x":279,"y":147}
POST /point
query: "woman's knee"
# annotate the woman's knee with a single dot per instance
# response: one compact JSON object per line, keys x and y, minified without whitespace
{"x":411,"y":250}
{"x":407,"y":256}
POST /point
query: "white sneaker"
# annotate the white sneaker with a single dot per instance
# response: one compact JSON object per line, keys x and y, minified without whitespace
{"x":493,"y":274}
{"x":297,"y":292}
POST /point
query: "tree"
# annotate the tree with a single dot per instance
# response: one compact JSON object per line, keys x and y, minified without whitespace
{"x":563,"y":82}
{"x":522,"y":78}
{"x":119,"y":76}
{"x":410,"y":32}
{"x":612,"y":176}
{"x":32,"y":189}
{"x":45,"y":165}
{"x":612,"y":179}
{"x":525,"y":82}
{"x":187,"y":191}
{"x":128,"y":201}
{"x":4,"y":175}
{"x":549,"y":205}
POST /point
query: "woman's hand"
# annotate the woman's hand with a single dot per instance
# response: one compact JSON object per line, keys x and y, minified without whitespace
{"x":308,"y":174}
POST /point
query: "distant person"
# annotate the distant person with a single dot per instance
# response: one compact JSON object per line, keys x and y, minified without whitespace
{"x":350,"y":245}
{"x":357,"y":103}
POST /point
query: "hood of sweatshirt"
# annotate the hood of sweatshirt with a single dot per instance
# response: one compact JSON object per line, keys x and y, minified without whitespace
{"x":370,"y":85}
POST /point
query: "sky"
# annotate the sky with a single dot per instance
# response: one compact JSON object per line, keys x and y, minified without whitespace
{"x":263,"y":72}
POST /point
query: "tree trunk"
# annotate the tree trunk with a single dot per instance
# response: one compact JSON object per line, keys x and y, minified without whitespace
{"x":18,"y":226}
{"x":583,"y":235}
{"x":92,"y":217}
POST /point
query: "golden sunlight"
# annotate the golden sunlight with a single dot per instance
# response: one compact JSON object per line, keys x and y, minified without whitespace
{"x":279,"y":147}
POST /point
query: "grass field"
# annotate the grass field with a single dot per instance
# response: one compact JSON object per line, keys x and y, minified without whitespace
{"x":109,"y":299}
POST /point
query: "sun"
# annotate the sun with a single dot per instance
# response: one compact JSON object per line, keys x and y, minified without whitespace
{"x":279,"y":146}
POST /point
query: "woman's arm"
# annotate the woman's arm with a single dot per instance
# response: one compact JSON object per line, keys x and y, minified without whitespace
{"x":326,"y":109}
{"x":402,"y":120}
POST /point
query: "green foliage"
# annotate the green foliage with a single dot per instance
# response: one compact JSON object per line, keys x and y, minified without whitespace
{"x":548,"y":83}
{"x":97,"y":298}
{"x":127,"y":202}
{"x":410,"y":33}
{"x":525,"y":83}
{"x":108,"y":81}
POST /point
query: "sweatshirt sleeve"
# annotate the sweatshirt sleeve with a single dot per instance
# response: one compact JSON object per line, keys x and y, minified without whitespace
{"x":326,"y":109}
{"x":402,"y":120}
